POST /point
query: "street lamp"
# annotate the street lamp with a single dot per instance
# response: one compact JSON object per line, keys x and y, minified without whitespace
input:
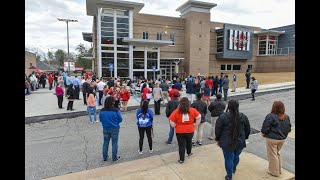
{"x":67,"y":21}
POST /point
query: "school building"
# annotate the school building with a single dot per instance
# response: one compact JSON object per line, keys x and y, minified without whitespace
{"x":137,"y":44}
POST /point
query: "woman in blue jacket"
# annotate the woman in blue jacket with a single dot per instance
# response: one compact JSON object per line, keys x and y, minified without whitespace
{"x":144,"y":121}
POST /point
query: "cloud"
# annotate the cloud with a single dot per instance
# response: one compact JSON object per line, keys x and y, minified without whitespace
{"x":43,"y":30}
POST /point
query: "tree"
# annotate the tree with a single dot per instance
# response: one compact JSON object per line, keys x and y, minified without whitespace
{"x":59,"y":56}
{"x":83,"y":52}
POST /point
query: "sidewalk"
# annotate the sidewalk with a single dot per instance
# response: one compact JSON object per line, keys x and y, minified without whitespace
{"x":43,"y":102}
{"x":206,"y":163}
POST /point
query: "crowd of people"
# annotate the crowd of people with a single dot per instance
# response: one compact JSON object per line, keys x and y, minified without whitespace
{"x":186,"y":115}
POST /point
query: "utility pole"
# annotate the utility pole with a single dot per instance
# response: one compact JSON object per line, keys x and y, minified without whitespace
{"x":67,"y":21}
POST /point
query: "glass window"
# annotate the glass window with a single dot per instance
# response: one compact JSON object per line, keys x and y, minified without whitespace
{"x":123,"y":48}
{"x":122,"y":30}
{"x":107,"y":48}
{"x":220,"y":42}
{"x":138,"y":54}
{"x":106,"y":34}
{"x":107,"y":11}
{"x":138,"y":63}
{"x":106,"y":72}
{"x":151,"y":63}
{"x":122,"y":20}
{"x":107,"y":29}
{"x":262,"y":47}
{"x":271,"y":49}
{"x":120,"y":42}
{"x":123,"y":63}
{"x":106,"y":40}
{"x":122,"y":12}
{"x":121,"y":34}
{"x":159,"y":36}
{"x":123,"y":26}
{"x":250,"y":66}
{"x":103,"y":54}
{"x":228,"y":67}
{"x":108,"y":26}
{"x":123,"y":55}
{"x":145,"y":35}
{"x":236,"y":67}
{"x":123,"y":72}
{"x":105,"y":19}
{"x":107,"y":61}
{"x":172,"y":38}
{"x":223,"y":67}
{"x":152,"y":55}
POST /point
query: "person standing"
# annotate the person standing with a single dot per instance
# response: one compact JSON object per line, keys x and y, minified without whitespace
{"x":165,"y":88}
{"x":69,"y":81}
{"x":178,"y":85}
{"x":232,"y":129}
{"x":190,"y":89}
{"x":234,"y":82}
{"x":144,"y":91}
{"x":33,"y":80}
{"x":275,"y":129}
{"x":43,"y":80}
{"x":50,"y":80}
{"x":91,"y":106}
{"x":144,"y":122}
{"x":110,"y":118}
{"x":76,"y":83}
{"x":201,"y":107}
{"x":254,"y":87}
{"x":248,"y":74}
{"x":55,"y":78}
{"x":59,"y":94}
{"x":206,"y":93}
{"x":65,"y":75}
{"x":184,"y":119}
{"x":173,"y":90}
{"x":171,"y":106}
{"x":225,"y":86}
{"x":85,"y":89}
{"x":71,"y":94}
{"x":100,"y":87}
{"x":157,"y":96}
{"x":125,"y":96}
{"x":221,"y":83}
{"x":196,"y":86}
{"x":216,"y":85}
{"x":216,"y":108}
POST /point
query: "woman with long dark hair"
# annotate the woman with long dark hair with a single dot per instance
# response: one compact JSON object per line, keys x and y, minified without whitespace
{"x":71,"y":95}
{"x":275,"y":129}
{"x":144,"y":121}
{"x":184,"y":119}
{"x":232,"y":129}
{"x":91,"y":105}
{"x":144,"y":90}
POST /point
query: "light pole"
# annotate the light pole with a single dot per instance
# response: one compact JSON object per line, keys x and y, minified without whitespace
{"x":67,"y":21}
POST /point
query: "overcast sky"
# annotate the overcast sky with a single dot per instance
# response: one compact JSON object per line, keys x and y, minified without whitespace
{"x":44,"y":31}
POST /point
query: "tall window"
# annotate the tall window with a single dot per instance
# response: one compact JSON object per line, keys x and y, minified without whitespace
{"x":145,"y":35}
{"x":219,"y":42}
{"x":268,"y":45}
{"x":172,"y":38}
{"x":159,"y":36}
{"x":250,"y":66}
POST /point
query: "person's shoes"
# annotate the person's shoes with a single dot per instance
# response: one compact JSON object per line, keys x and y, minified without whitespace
{"x":151,"y":151}
{"x":199,"y":143}
{"x":190,"y":154}
{"x":252,"y":99}
{"x":210,"y":138}
{"x":180,"y":161}
{"x":167,"y":142}
{"x":71,"y":109}
{"x":117,"y":159}
{"x":106,"y":159}
{"x":193,"y":144}
{"x":272,"y":174}
{"x":96,"y":121}
{"x":227,"y":178}
{"x":140,"y":152}
{"x":234,"y":171}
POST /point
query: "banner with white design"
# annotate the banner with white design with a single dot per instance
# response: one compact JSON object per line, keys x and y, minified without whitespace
{"x":239,"y":40}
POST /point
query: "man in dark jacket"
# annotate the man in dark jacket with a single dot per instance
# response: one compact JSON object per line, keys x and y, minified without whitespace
{"x":165,"y":90}
{"x":201,"y":107}
{"x":178,"y":85}
{"x":85,"y":89}
{"x":225,"y":86}
{"x":216,"y":108}
{"x":171,"y":106}
{"x":215,"y":85}
{"x":190,"y":90}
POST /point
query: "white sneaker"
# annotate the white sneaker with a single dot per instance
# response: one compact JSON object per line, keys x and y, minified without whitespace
{"x":140,"y":152}
{"x":96,"y":121}
{"x":91,"y":122}
{"x":151,"y":151}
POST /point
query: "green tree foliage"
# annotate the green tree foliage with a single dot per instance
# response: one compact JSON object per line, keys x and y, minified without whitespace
{"x":59,"y":56}
{"x":83,"y":52}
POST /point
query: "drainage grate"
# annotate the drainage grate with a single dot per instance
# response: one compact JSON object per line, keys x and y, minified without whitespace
{"x":254,"y":131}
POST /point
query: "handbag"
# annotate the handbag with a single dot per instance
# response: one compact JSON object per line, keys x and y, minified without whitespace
{"x":149,"y":96}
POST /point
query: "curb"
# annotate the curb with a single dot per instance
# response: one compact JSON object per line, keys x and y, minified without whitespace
{"x":35,"y":119}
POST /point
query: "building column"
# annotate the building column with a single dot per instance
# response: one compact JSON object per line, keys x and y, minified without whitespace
{"x":176,"y":61}
{"x":115,"y":65}
{"x":158,"y":65}
{"x":131,"y":61}
{"x":99,"y":62}
{"x":145,"y":61}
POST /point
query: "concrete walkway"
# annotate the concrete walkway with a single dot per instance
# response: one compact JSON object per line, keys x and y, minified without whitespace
{"x":44,"y":102}
{"x":206,"y":163}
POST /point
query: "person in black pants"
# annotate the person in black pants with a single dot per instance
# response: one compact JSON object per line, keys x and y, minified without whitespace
{"x":185,"y":119}
{"x":144,"y":121}
{"x":85,"y":89}
{"x":71,"y":94}
{"x":248,"y":74}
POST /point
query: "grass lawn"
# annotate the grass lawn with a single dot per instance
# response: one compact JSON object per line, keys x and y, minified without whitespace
{"x":263,"y":78}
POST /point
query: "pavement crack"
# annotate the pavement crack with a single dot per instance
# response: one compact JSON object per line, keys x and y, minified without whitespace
{"x":64,"y":135}
{"x":85,"y":150}
{"x":169,"y":165}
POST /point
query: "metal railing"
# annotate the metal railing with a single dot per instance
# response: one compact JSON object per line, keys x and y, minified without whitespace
{"x":286,"y":51}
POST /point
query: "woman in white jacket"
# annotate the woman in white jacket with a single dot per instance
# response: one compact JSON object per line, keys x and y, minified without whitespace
{"x":253,"y":87}
{"x":157,"y":96}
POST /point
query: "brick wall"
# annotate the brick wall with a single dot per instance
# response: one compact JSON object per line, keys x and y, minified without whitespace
{"x":29,"y":58}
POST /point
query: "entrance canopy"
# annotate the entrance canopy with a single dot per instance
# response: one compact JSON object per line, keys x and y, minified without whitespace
{"x":147,"y":42}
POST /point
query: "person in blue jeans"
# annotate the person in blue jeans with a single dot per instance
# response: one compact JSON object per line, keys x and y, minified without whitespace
{"x":91,"y":105}
{"x":110,"y":118}
{"x":171,"y":106}
{"x":232,"y":129}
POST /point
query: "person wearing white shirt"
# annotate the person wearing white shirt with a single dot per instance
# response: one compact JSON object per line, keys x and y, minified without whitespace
{"x":100,"y":87}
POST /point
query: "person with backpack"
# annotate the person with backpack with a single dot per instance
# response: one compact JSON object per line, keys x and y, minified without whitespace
{"x":201,"y":107}
{"x":144,"y":122}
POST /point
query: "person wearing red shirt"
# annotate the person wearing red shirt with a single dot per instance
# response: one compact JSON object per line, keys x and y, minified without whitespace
{"x":86,"y":75}
{"x":210,"y":83}
{"x":172,"y":91}
{"x":184,"y":119}
{"x":125,"y":96}
{"x":50,"y":80}
{"x":144,"y":91}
